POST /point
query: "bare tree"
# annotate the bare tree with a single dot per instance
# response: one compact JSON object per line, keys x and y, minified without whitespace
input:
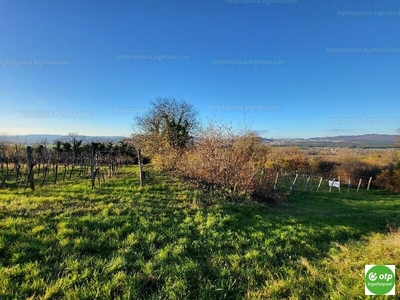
{"x":74,"y":145}
{"x":76,"y":142}
{"x":169,"y":122}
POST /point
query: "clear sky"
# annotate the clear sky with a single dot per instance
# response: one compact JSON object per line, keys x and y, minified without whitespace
{"x":296,"y":69}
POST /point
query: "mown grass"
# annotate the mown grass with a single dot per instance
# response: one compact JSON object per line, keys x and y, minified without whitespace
{"x":160,"y":242}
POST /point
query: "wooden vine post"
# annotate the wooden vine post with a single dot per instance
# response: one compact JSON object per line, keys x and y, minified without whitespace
{"x":16,"y":163}
{"x":31,"y":164}
{"x":141,"y":172}
{"x":92,"y":171}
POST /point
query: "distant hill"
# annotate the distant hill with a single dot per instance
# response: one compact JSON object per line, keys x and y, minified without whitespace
{"x":366,"y":137}
{"x":30,"y":139}
{"x":349,"y":141}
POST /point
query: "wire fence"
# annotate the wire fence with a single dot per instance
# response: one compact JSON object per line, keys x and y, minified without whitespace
{"x":320,"y":183}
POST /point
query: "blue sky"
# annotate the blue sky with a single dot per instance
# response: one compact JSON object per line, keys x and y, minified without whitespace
{"x":300,"y":69}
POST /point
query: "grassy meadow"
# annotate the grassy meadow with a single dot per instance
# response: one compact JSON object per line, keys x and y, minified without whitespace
{"x":169,"y":241}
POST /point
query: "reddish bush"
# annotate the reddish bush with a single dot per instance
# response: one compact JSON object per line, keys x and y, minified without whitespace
{"x":390,"y":179}
{"x":230,"y":163}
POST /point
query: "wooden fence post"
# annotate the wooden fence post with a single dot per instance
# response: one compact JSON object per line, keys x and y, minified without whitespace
{"x":359,"y":184}
{"x":276,"y":180}
{"x":319,"y":184}
{"x":294,"y":182}
{"x":369,"y":183}
{"x":330,"y":187}
{"x":261,"y":176}
{"x":307,"y":182}
{"x":348,"y":187}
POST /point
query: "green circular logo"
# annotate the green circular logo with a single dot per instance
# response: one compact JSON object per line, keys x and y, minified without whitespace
{"x":379,"y":280}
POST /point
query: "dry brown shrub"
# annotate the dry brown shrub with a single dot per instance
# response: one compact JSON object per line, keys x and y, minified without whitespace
{"x":156,"y":147}
{"x":389,"y":179}
{"x":287,"y":159}
{"x":229,"y":163}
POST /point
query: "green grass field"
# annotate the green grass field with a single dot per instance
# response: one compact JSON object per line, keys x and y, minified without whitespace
{"x":120,"y":241}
